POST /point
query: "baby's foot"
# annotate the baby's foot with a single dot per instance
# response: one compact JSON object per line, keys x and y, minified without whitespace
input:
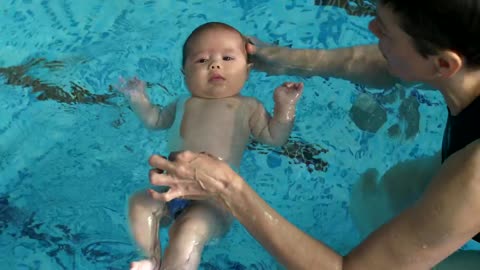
{"x":143,"y":265}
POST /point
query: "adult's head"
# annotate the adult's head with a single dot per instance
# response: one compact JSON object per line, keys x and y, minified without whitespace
{"x":215,"y":61}
{"x":424,"y":40}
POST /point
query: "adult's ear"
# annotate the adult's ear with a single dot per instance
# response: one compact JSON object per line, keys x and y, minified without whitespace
{"x":448,"y":63}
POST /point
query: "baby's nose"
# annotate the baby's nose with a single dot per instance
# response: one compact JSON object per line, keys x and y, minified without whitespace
{"x":215,"y":66}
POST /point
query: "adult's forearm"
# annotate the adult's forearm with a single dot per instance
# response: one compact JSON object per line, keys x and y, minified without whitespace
{"x":361,"y":64}
{"x":290,"y":246}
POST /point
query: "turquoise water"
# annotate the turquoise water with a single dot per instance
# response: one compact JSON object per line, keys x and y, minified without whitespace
{"x":72,"y":151}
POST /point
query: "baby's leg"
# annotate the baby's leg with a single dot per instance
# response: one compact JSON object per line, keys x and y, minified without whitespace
{"x":144,"y":215}
{"x":200,"y":222}
{"x":374,"y":201}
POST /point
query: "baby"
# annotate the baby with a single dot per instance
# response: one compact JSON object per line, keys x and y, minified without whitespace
{"x":216,"y":119}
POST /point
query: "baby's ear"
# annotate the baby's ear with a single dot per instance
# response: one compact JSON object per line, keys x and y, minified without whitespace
{"x":249,"y":66}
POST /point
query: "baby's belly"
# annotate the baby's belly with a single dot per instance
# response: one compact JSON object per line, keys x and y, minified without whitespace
{"x":227,"y":148}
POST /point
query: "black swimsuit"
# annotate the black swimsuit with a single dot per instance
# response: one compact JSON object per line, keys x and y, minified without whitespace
{"x":461,"y":130}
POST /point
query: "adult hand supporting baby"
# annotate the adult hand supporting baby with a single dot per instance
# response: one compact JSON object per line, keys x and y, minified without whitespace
{"x":190,"y":175}
{"x":264,"y":55}
{"x":201,"y":176}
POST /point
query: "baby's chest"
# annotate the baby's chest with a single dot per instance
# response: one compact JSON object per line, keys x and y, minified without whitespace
{"x":215,"y":118}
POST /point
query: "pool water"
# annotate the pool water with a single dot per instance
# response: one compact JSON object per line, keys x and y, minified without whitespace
{"x":72,"y":151}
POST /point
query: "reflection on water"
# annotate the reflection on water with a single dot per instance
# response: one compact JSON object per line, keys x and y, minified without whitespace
{"x":298,"y":152}
{"x":357,"y":7}
{"x":18,"y":76}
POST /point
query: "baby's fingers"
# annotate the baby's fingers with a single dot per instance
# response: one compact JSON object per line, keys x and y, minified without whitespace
{"x":288,"y":84}
{"x":298,"y":86}
{"x":119,"y":85}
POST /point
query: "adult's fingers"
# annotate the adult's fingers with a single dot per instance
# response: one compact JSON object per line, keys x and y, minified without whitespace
{"x":251,"y":48}
{"x":173,"y":156}
{"x":179,"y":163}
{"x":210,"y":155}
{"x":187,"y":156}
{"x":170,"y":195}
{"x":159,"y":196}
{"x":182,"y":156}
{"x":158,"y":179}
{"x":161,"y":163}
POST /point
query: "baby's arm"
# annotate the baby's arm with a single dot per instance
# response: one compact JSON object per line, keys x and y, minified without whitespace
{"x":152,"y":116}
{"x":276,"y":130}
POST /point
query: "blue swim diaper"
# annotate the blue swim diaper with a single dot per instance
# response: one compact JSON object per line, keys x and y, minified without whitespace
{"x":176,"y":206}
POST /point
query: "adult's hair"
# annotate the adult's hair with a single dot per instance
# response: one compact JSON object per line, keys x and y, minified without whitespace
{"x":437,"y":25}
{"x":200,"y":30}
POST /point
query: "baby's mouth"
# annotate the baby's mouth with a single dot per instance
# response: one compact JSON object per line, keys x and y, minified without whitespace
{"x":216,"y":78}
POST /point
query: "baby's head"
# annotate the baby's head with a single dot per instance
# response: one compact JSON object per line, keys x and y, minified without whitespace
{"x":215,"y":61}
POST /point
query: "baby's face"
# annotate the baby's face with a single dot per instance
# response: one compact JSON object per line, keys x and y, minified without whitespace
{"x":216,"y":64}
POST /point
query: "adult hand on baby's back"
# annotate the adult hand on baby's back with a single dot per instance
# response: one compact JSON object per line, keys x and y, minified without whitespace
{"x":288,"y":93}
{"x":190,"y":175}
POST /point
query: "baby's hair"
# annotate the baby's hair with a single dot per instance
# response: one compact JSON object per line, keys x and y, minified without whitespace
{"x":202,"y":29}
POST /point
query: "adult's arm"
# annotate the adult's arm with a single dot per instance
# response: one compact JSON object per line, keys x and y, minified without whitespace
{"x":362,"y":64}
{"x":443,"y":220}
{"x":422,"y":236}
{"x":197,"y":176}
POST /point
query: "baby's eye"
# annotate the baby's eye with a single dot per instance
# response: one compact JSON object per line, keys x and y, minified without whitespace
{"x":201,"y":60}
{"x":227,"y":58}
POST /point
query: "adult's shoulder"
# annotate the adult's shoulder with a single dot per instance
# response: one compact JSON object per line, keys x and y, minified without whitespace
{"x":465,"y":163}
{"x":471,"y":152}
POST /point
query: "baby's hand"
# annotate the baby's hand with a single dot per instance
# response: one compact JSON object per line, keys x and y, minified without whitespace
{"x":288,"y":94}
{"x":134,"y":89}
